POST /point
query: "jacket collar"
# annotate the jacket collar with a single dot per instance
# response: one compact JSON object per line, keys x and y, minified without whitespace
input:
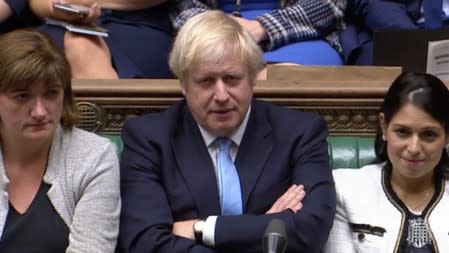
{"x":196,"y":165}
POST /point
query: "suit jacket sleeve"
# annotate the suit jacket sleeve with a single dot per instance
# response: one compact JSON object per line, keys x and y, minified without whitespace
{"x":302,"y":20}
{"x":184,"y":9}
{"x":308,"y":229}
{"x":146,"y":220}
{"x":381,"y":14}
{"x":95,"y":221}
{"x":340,"y":238}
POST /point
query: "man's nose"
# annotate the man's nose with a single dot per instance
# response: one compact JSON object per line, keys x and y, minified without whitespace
{"x":221,"y":91}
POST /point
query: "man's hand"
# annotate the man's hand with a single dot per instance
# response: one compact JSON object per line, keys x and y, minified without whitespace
{"x":291,"y":199}
{"x":184,"y":229}
{"x":256,"y":30}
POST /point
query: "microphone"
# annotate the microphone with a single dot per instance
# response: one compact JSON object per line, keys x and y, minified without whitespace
{"x":275,"y":237}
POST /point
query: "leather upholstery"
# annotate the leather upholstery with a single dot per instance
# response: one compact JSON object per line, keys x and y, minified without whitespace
{"x":351,"y":151}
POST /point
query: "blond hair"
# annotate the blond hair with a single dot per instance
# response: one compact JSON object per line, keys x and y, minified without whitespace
{"x":207,"y":37}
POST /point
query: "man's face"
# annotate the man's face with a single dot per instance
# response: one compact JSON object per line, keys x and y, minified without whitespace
{"x":219,"y":93}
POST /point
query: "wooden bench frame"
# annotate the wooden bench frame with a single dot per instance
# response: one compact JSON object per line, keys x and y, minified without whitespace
{"x":349,"y":107}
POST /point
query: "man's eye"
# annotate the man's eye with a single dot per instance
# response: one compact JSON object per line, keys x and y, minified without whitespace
{"x":232,"y":78}
{"x":204,"y":80}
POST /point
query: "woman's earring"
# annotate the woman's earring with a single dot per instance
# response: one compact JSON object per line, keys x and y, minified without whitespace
{"x":384,"y":138}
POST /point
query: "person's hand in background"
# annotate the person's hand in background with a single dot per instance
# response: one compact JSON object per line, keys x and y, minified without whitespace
{"x":256,"y":30}
{"x":91,"y":17}
{"x":5,"y":11}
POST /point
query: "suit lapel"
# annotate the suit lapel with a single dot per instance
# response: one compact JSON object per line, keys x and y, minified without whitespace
{"x":196,"y":166}
{"x":254,"y":150}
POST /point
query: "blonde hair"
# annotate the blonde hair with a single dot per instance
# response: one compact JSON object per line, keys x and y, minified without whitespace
{"x":207,"y":37}
{"x":28,"y":56}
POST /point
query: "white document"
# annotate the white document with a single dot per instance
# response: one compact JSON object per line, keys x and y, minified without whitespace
{"x":438,"y":59}
{"x":83,"y":29}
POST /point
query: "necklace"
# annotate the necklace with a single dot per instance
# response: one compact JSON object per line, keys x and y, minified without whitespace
{"x":414,"y":206}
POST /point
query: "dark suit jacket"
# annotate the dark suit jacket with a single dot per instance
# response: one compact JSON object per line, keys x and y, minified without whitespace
{"x":168,"y":175}
{"x":365,"y":16}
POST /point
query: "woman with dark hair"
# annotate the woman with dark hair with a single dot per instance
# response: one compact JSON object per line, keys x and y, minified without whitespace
{"x":59,"y":185}
{"x":399,"y":203}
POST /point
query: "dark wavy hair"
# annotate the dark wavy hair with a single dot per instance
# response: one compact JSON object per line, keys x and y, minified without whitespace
{"x":422,"y":90}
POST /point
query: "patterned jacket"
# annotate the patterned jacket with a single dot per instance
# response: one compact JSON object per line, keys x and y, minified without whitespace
{"x":83,"y":172}
{"x":297,"y":20}
{"x":370,"y":218}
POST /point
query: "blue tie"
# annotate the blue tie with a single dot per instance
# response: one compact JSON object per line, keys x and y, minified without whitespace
{"x":433,"y":13}
{"x":231,"y":196}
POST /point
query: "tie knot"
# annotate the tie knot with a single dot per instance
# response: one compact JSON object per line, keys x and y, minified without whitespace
{"x":224,"y":143}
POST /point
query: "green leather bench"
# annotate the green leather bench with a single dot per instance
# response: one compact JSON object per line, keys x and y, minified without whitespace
{"x":345,"y":151}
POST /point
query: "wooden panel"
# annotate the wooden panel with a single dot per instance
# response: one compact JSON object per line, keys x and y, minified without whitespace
{"x":345,"y":74}
{"x":348,"y":107}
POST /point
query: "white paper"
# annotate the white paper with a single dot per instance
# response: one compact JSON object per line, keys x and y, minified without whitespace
{"x":438,"y":59}
{"x":83,"y":29}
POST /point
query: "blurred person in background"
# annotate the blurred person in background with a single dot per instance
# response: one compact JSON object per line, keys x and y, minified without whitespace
{"x":138,"y":42}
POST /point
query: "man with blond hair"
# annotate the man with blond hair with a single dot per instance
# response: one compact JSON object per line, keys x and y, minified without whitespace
{"x":209,"y":173}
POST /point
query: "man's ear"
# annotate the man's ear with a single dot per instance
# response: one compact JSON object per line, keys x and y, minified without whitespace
{"x":183,"y":87}
{"x":253,"y":84}
{"x":382,"y":123}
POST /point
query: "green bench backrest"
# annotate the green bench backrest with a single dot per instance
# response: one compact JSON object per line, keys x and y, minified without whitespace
{"x":117,"y":140}
{"x":350,"y":151}
{"x":344,"y":151}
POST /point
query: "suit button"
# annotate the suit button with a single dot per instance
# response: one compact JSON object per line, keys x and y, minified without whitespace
{"x":361,"y":237}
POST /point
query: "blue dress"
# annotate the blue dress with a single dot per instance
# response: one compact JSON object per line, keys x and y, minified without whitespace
{"x":139,"y":41}
{"x":312,"y":52}
{"x":22,"y":17}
